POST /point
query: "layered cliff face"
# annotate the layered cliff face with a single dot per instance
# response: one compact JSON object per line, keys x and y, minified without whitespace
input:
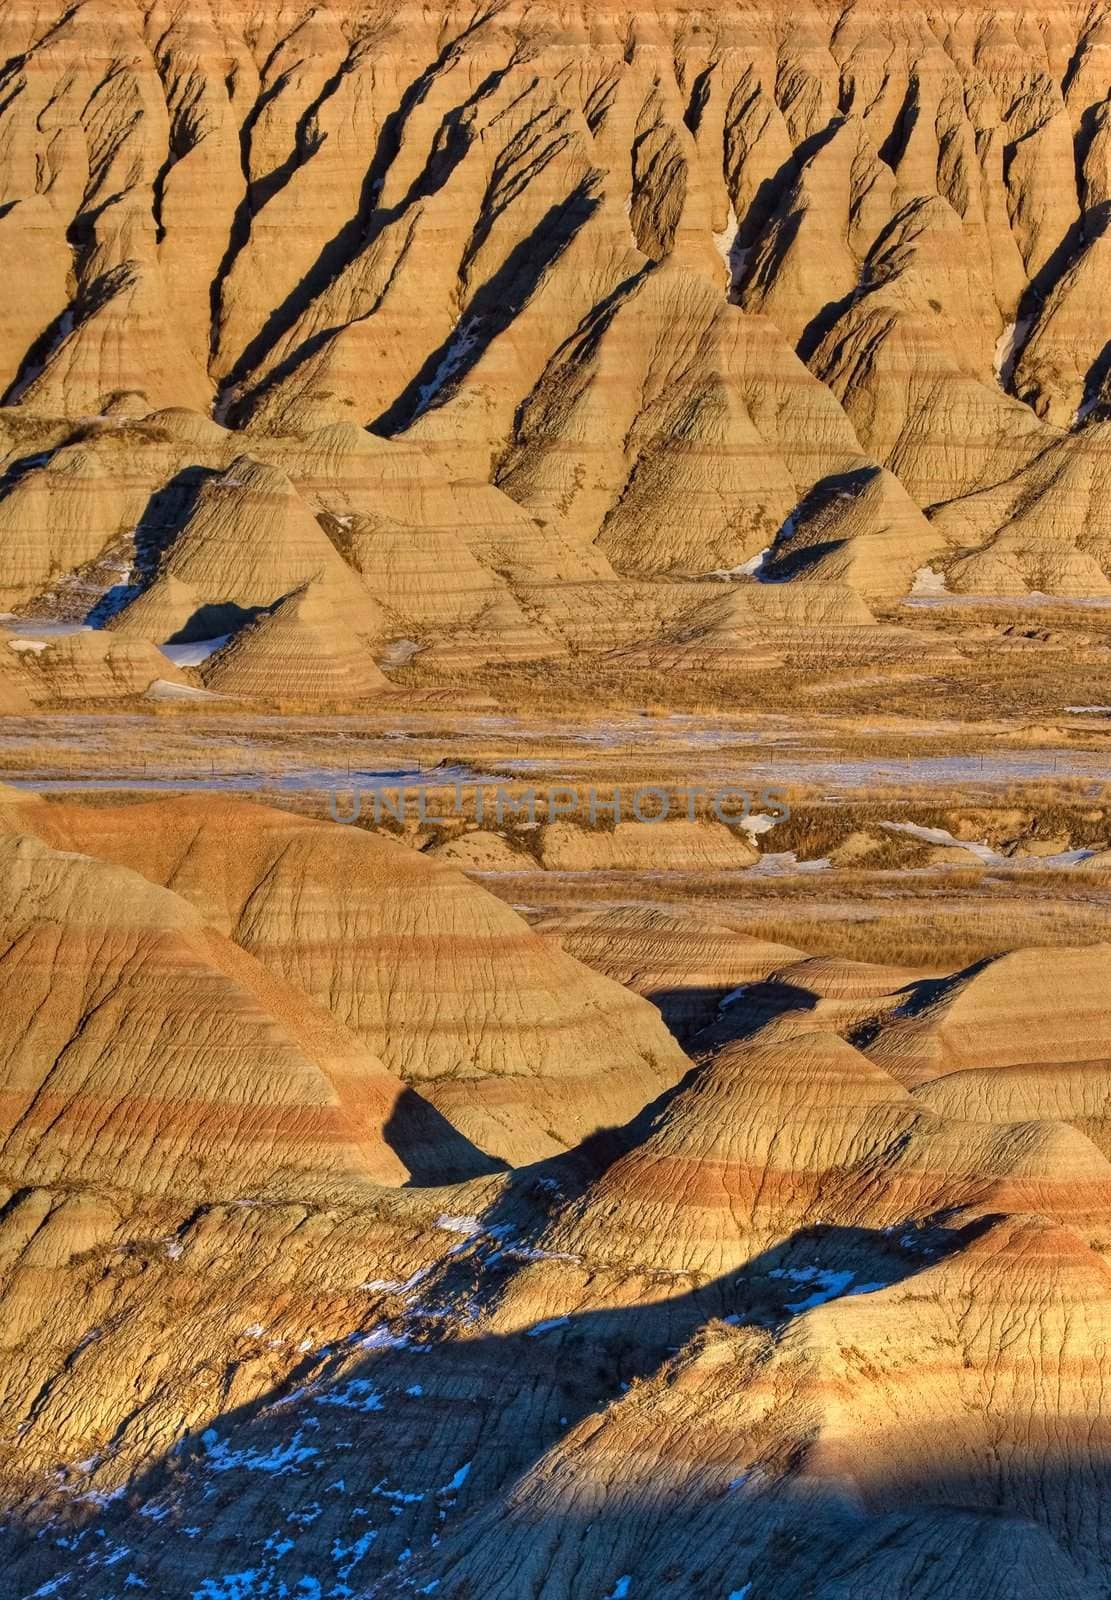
{"x":637,"y":292}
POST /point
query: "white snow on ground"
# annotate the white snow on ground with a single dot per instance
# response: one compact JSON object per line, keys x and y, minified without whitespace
{"x":747,"y":569}
{"x":546,"y":1327}
{"x":758,"y":824}
{"x":399,"y":652}
{"x":232,"y":1586}
{"x":982,"y":852}
{"x":736,"y":261}
{"x":279,"y":1459}
{"x":1008,"y":347}
{"x":828,"y":1285}
{"x":992,"y":858}
{"x":467,"y":1226}
{"x":358,"y":1394}
{"x":733,"y":996}
{"x":458,"y":1480}
{"x":27,"y":644}
{"x":465,"y":339}
{"x":163,"y":689}
{"x":191,"y":655}
{"x":40,"y":628}
{"x":1094,"y":711}
{"x":784,"y":863}
{"x":724,"y":241}
{"x":928,"y":582}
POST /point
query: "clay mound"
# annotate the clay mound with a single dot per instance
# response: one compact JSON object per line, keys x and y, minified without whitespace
{"x":426,"y":577}
{"x":519,"y":1047}
{"x":637,"y":432}
{"x":88,"y":665}
{"x":664,"y":846}
{"x":56,"y":517}
{"x":30,"y":226}
{"x":609,"y":614}
{"x":724,"y":635}
{"x":857,"y":1446}
{"x":1064,"y":350}
{"x":249,"y":542}
{"x":806,"y":604}
{"x":862,"y":530}
{"x":1030,"y":1009}
{"x":1035,"y":529}
{"x":835,"y":978}
{"x":1018,"y":562}
{"x":804,"y":263}
{"x":1078,"y":1094}
{"x":501,"y":632}
{"x":682,"y":961}
{"x":481,"y":851}
{"x":454,"y":520}
{"x":818,"y":993}
{"x":121,"y":354}
{"x":143,"y":1049}
{"x":737,"y":1160}
{"x":775,"y":1137}
{"x":1051,"y":1304}
{"x":301,"y":652}
{"x":910,"y":359}
{"x":194,"y":429}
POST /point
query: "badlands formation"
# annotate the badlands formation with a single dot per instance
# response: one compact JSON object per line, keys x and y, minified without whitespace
{"x":431,"y":342}
{"x":495,"y":1207}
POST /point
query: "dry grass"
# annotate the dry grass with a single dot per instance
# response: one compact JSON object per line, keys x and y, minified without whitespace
{"x":936,"y":938}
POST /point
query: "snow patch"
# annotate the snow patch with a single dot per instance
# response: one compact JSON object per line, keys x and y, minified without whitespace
{"x":463,"y":341}
{"x":357,"y":1395}
{"x":760,"y":823}
{"x":983,"y":852}
{"x":467,"y":1226}
{"x":733,"y":996}
{"x":828,"y":1285}
{"x":784,"y":863}
{"x":751,"y":568}
{"x":459,"y":1479}
{"x":279,"y":1459}
{"x":191,"y":655}
{"x":546,"y":1327}
{"x":928,"y":584}
{"x":163,"y":689}
{"x":1008,"y":348}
